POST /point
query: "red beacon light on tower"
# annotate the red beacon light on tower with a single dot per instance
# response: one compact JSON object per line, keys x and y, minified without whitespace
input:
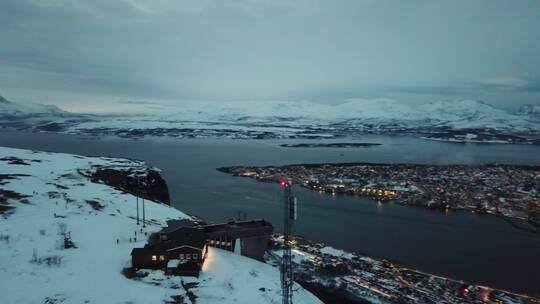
{"x":285,"y":183}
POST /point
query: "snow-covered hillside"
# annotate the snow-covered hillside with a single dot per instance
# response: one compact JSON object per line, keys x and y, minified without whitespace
{"x":467,"y":114}
{"x":530,"y":111}
{"x":351,"y":109}
{"x":43,"y":194}
{"x":36,"y":117}
{"x":314,"y":120}
{"x":8,"y":108}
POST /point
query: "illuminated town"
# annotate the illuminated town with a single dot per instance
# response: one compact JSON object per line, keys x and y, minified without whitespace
{"x":355,"y":278}
{"x":504,"y":190}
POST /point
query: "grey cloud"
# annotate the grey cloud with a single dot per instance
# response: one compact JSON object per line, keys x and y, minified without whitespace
{"x":508,"y":84}
{"x":440,"y":90}
{"x":136,"y":102}
{"x":260,"y":50}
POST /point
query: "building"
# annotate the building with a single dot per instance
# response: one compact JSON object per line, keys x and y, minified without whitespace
{"x":182,"y":255}
{"x":182,"y":246}
{"x":248,"y":238}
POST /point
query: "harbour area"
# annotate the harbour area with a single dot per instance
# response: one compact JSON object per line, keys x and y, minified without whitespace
{"x":337,"y":276}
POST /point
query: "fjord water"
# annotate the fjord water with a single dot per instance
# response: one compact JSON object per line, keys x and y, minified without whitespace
{"x":476,"y":248}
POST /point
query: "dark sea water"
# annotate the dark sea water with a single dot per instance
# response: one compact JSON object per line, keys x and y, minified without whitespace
{"x":477,"y":248}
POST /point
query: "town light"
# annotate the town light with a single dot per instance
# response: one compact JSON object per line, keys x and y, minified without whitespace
{"x":209,"y":260}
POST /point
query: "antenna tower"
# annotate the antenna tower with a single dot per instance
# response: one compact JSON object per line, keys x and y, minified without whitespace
{"x":289,"y":215}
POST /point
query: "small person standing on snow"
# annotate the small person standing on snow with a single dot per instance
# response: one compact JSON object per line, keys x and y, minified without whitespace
{"x":117,"y":241}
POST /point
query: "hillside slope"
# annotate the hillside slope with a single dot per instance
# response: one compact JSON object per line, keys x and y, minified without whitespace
{"x":42,"y":194}
{"x":11,"y":109}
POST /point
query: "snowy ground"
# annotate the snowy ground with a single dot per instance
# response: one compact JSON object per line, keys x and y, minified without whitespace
{"x":47,"y":192}
{"x":231,"y":278}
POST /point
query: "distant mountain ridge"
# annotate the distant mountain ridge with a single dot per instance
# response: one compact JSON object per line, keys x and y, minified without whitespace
{"x":297,"y":119}
{"x":530,"y":110}
{"x":8,"y":108}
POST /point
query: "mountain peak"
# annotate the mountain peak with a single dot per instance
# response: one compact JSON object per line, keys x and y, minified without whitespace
{"x":530,"y":110}
{"x":8,"y":108}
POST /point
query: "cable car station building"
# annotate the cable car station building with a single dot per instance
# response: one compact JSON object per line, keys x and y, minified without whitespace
{"x":182,"y":246}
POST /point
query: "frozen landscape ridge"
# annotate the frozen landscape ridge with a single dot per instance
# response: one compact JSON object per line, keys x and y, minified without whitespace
{"x":452,"y":120}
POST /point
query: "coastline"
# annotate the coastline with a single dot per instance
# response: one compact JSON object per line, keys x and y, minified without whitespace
{"x":320,"y":177}
{"x":358,"y":278}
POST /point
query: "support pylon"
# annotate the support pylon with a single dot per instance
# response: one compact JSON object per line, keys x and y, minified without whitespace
{"x":289,"y":213}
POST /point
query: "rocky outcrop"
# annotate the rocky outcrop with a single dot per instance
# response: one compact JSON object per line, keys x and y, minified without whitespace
{"x":149,"y":185}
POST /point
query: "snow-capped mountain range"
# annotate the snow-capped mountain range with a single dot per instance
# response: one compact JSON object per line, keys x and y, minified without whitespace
{"x":530,"y":111}
{"x":299,"y":119}
{"x":10,"y":109}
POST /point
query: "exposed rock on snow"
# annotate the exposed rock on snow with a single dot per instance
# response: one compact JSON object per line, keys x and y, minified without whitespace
{"x":147,"y":183}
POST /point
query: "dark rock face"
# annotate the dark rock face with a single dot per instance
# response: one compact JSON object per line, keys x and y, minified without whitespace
{"x":157,"y":187}
{"x":3,"y":100}
{"x":152,"y":186}
{"x":51,"y":127}
{"x":14,"y":161}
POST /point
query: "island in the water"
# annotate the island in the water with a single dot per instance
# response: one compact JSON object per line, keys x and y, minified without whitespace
{"x":330,"y":145}
{"x":510,"y":191}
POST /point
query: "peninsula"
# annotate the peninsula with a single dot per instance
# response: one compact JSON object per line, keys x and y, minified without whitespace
{"x":506,"y":190}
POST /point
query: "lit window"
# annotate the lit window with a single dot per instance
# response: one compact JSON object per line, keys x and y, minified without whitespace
{"x":181,"y":256}
{"x":188,"y":256}
{"x":164,"y":237}
{"x":154,"y":258}
{"x":195,"y":256}
{"x":222,"y":243}
{"x":162,"y":258}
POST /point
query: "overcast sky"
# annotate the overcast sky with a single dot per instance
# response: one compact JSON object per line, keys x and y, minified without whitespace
{"x":101,"y":54}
